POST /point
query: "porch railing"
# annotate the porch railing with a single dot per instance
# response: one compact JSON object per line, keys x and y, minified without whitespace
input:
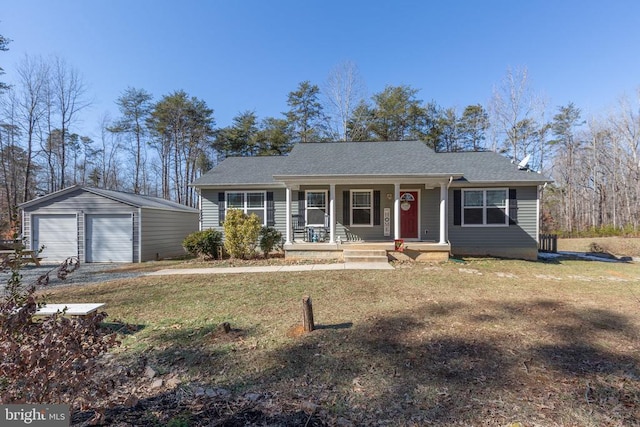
{"x":548,"y":243}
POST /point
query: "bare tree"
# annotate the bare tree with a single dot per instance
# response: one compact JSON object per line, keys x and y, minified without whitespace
{"x":343,"y":91}
{"x":108,"y":169}
{"x":626,"y":125}
{"x":68,"y":92}
{"x":513,"y":108}
{"x":31,"y":95}
{"x":135,"y":106}
{"x":11,"y":161}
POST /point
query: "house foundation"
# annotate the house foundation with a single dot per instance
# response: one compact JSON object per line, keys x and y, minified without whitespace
{"x":411,"y":251}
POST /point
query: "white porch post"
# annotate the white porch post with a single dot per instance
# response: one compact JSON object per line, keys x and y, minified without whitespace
{"x":288,"y":216}
{"x":443,"y":213}
{"x":396,"y":211}
{"x":332,"y":213}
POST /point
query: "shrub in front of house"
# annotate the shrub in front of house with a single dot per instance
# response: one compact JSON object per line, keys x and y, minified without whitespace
{"x":270,"y":239}
{"x":241,"y":233}
{"x":205,"y":243}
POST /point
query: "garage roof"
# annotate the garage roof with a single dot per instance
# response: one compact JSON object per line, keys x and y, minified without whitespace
{"x":135,"y":200}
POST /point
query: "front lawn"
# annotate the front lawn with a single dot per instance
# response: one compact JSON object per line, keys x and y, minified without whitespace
{"x":482,"y":342}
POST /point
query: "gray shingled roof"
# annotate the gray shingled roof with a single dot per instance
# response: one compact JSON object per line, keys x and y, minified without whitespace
{"x":360,"y":158}
{"x":136,"y":200}
{"x":242,"y":170}
{"x":140,"y":200}
{"x":487,"y":166}
{"x":395,"y":158}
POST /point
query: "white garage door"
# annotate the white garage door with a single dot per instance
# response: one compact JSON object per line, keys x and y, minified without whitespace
{"x":109,"y":238}
{"x":58,"y":234}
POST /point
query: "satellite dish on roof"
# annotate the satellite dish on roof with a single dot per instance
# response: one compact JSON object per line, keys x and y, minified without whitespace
{"x":524,"y":163}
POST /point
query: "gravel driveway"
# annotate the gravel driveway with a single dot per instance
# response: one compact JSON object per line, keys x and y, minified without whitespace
{"x":86,"y":274}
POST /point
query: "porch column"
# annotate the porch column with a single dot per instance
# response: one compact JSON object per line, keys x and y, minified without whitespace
{"x":287,"y":240}
{"x":443,"y":213}
{"x":332,"y":213}
{"x":396,"y":211}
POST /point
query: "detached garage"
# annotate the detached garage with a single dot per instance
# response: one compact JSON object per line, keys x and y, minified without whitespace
{"x":99,"y":225}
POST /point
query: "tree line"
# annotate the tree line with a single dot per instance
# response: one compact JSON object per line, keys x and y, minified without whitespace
{"x":158,"y":147}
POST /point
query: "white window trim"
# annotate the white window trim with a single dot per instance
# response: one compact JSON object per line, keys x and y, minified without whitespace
{"x":359,"y":190}
{"x":246,"y":202}
{"x":306,"y":207}
{"x":484,"y":207}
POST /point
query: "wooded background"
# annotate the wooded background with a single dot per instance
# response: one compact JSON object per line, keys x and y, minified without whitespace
{"x":157,"y":146}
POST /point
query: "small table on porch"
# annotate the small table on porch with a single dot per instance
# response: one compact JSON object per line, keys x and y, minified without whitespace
{"x":315,"y":233}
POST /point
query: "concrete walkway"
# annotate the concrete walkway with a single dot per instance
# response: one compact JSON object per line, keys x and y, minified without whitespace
{"x":274,"y":268}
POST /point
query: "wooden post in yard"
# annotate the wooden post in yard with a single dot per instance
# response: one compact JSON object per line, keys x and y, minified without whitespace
{"x":307,"y":314}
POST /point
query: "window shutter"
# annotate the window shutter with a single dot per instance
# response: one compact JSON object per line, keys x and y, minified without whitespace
{"x":513,"y":206}
{"x":221,"y":207}
{"x":457,"y":207}
{"x":346,"y":208}
{"x":376,"y":207}
{"x":271,"y":210}
{"x":301,"y":207}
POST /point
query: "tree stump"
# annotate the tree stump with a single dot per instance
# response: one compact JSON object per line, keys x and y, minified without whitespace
{"x":307,"y":314}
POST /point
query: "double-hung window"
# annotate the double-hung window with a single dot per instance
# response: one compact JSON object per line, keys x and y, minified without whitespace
{"x":316,"y":209}
{"x":485,"y":207}
{"x":249,"y":202}
{"x":362,"y":207}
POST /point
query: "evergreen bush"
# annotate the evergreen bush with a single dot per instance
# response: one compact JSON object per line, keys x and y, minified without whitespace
{"x":205,"y":243}
{"x":241,"y":233}
{"x":270,"y":239}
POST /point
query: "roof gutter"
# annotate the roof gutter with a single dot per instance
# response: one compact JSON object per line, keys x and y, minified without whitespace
{"x":362,"y":179}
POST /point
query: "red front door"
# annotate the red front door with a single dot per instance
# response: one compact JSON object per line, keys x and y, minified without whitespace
{"x":409,"y":215}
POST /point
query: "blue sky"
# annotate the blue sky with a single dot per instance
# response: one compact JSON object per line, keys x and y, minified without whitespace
{"x":248,"y":55}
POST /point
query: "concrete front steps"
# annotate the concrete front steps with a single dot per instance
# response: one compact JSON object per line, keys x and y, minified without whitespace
{"x":365,"y":256}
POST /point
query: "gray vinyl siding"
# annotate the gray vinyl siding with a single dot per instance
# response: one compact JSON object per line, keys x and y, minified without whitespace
{"x":163,"y":232}
{"x":136,"y":237}
{"x":280,"y":214}
{"x":430,"y":215}
{"x":429,"y":210}
{"x":515,"y":241}
{"x":82,"y":252}
{"x":375,"y":233}
{"x":26,"y":229}
{"x":210,"y":210}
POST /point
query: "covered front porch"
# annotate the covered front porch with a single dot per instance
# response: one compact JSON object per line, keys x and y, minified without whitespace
{"x":363,"y":208}
{"x":330,"y":215}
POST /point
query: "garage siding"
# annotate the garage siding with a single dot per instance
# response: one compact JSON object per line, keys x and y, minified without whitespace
{"x":163,"y":232}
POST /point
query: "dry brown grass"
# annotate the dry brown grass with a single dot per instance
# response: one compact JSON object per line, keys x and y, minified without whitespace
{"x":485,"y":342}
